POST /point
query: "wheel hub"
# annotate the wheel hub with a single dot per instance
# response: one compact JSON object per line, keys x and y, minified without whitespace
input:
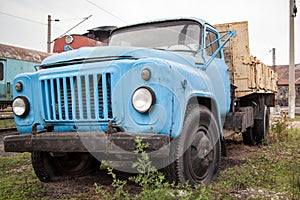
{"x":201,"y":155}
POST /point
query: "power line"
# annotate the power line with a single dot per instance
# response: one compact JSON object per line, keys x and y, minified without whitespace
{"x":72,"y":19}
{"x":22,"y":18}
{"x":106,"y":11}
{"x":84,"y":19}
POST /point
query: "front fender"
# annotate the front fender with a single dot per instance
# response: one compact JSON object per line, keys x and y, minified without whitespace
{"x":31,"y":92}
{"x":160,"y":118}
{"x":198,"y":87}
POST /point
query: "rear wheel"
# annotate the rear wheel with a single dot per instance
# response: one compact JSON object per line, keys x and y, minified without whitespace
{"x":261,"y":127}
{"x":47,"y":166}
{"x":197,"y":150}
{"x":249,"y":137}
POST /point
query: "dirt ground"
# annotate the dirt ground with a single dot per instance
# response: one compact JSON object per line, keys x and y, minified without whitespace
{"x":237,"y":154}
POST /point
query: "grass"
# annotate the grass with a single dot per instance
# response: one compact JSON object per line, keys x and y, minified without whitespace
{"x":7,"y":123}
{"x":272,"y":173}
{"x":297,"y":118}
{"x":17,"y":179}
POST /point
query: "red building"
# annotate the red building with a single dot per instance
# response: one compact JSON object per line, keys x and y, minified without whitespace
{"x":283,"y":84}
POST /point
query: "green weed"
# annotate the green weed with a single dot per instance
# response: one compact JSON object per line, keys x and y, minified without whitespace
{"x":274,"y":171}
{"x":272,"y":174}
{"x":152,"y":182}
{"x":279,"y":131}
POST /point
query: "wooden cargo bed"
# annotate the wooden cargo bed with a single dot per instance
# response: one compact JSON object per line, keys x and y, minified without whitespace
{"x":246,"y":71}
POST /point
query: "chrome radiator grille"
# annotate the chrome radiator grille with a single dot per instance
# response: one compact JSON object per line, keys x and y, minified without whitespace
{"x":81,"y":97}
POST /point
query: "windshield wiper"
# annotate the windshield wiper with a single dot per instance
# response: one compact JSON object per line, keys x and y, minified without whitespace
{"x":180,"y":50}
{"x":84,"y":60}
{"x":156,"y":48}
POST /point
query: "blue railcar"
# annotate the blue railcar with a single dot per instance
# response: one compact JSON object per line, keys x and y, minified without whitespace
{"x":13,"y":61}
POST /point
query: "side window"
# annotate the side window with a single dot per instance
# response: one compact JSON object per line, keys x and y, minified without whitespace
{"x":207,"y":42}
{"x":211,"y":38}
{"x":1,"y":71}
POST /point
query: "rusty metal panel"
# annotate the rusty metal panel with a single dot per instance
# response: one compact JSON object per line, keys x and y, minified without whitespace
{"x":100,"y":142}
{"x":17,"y":53}
{"x":246,"y":71}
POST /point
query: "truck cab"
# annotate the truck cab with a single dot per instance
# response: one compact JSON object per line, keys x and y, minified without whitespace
{"x":164,"y":81}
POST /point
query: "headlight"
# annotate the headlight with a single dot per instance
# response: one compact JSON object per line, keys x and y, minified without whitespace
{"x":69,"y":39}
{"x":142,"y":99}
{"x":21,"y":106}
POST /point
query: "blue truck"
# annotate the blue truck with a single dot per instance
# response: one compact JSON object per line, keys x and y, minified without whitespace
{"x":165,"y":82}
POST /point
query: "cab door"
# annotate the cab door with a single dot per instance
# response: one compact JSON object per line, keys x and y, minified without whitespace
{"x":217,"y":70}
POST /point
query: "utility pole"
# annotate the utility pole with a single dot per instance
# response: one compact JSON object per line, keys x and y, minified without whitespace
{"x":273,"y":57}
{"x":49,"y":33}
{"x":292,"y":15}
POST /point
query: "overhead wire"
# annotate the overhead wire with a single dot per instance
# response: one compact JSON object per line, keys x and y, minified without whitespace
{"x":92,"y":3}
{"x":106,"y":11}
{"x":84,"y":19}
{"x":22,"y":18}
{"x":71,"y":19}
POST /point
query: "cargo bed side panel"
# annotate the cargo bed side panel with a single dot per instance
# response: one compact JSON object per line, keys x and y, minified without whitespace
{"x":246,"y":72}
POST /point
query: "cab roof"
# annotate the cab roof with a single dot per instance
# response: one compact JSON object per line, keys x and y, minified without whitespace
{"x":200,"y":21}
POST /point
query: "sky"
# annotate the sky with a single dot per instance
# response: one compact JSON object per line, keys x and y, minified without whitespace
{"x":24,"y":22}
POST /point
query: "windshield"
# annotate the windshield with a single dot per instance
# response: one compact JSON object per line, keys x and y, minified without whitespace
{"x":179,"y":35}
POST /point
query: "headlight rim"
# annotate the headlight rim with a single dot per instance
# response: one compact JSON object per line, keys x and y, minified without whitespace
{"x":146,"y":74}
{"x":152,"y":98}
{"x":26,"y":105}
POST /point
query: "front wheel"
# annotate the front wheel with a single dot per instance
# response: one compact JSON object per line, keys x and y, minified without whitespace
{"x":197,"y":150}
{"x":47,"y":166}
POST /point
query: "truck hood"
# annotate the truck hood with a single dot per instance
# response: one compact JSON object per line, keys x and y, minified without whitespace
{"x":98,"y":54}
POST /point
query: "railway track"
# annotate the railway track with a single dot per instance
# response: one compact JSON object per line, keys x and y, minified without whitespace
{"x":5,"y":121}
{"x":11,"y":129}
{"x":8,"y":131}
{"x":6,"y":113}
{"x":6,"y":117}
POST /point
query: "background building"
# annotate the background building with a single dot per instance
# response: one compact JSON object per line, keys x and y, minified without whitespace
{"x":283,"y":84}
{"x":13,"y":61}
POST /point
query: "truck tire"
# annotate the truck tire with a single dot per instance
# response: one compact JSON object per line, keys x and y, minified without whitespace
{"x":47,"y":167}
{"x":249,"y":137}
{"x":197,"y":149}
{"x":261,"y":127}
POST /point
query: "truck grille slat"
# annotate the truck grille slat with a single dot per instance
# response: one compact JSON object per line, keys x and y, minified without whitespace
{"x":82,"y":97}
{"x":59,"y":98}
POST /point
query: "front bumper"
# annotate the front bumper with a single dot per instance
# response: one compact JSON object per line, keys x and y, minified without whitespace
{"x":116,"y":144}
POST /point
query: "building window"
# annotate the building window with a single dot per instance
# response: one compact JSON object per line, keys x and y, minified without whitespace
{"x":1,"y":71}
